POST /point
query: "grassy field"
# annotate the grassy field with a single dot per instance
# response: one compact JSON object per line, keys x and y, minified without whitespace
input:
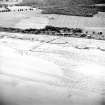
{"x":55,"y":20}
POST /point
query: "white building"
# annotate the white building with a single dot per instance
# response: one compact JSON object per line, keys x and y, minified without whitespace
{"x":10,"y":2}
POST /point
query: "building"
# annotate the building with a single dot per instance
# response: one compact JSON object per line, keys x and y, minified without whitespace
{"x":9,"y":2}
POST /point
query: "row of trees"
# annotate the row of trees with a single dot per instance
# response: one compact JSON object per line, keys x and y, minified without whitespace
{"x":47,"y":30}
{"x":60,"y":31}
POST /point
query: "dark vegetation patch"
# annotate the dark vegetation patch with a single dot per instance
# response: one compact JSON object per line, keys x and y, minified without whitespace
{"x":86,"y":8}
{"x":57,"y":31}
{"x":72,"y":10}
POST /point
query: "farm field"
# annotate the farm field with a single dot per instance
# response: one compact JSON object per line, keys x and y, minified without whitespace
{"x":51,"y":70}
{"x":31,"y":20}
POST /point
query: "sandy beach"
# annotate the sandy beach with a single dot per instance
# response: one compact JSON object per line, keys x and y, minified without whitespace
{"x":61,"y":72}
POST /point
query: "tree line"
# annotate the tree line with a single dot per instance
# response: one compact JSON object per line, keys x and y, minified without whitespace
{"x":57,"y":31}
